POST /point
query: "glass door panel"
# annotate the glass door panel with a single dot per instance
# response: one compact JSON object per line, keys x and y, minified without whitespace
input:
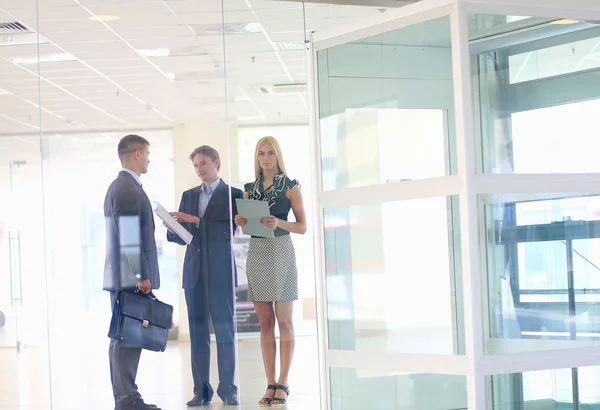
{"x":392,"y":260}
{"x":8,"y":316}
{"x":22,"y":296}
{"x":24,"y":379}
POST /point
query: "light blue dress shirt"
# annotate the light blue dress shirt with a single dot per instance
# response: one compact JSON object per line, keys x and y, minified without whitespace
{"x":134,"y":175}
{"x":205,"y":197}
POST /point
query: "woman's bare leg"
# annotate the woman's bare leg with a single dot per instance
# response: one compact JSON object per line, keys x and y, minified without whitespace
{"x":268,"y":345}
{"x":287,"y":339}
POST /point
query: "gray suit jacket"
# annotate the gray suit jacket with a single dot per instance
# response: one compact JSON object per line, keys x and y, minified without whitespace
{"x":131,"y":254}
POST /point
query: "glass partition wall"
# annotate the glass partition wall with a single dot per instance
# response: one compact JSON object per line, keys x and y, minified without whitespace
{"x":75,"y":77}
{"x":452,"y":174}
{"x":23,"y":297}
{"x":457,"y":206}
{"x":392,"y":256}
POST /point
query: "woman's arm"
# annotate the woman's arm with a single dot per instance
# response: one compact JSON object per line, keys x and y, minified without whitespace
{"x":295,"y":197}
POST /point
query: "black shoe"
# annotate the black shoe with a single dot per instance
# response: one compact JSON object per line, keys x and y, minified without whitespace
{"x":198,"y":401}
{"x":277,"y":402}
{"x":204,"y":398}
{"x":231,"y":400}
{"x":229,"y":395}
{"x":266,"y":401}
{"x":138,"y":405}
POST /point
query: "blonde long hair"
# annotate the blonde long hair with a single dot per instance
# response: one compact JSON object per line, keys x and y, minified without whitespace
{"x":276,"y":148}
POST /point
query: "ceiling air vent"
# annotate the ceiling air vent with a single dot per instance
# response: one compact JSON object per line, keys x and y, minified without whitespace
{"x":17,"y":34}
{"x":285,"y":88}
{"x":13,"y":28}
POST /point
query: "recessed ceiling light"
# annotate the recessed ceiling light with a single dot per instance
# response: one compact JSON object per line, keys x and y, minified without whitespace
{"x":154,"y":52}
{"x":288,"y":45}
{"x":44,"y":58}
{"x":4,"y":92}
{"x":565,"y":21}
{"x":105,"y":17}
{"x":170,"y":76}
{"x":254,"y":27}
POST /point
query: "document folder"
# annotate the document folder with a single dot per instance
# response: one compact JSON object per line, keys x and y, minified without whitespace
{"x":254,"y":211}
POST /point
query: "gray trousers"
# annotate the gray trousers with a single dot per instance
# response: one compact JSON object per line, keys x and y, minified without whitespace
{"x":123,"y":368}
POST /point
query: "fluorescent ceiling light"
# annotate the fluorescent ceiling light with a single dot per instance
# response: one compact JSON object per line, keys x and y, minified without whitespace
{"x":287,"y":45}
{"x":154,"y":52}
{"x":105,"y":17}
{"x":44,"y":58}
{"x":240,"y":98}
{"x":254,"y":27}
{"x":565,"y":21}
{"x":4,"y":92}
{"x":170,"y":76}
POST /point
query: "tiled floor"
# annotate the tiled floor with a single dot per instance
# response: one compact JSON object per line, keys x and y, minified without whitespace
{"x":79,"y":376}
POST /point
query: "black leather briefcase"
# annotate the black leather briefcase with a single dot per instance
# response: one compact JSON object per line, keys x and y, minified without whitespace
{"x":141,"y":321}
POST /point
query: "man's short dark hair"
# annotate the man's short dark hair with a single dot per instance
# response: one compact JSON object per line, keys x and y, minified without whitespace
{"x":131,"y":143}
{"x":210,"y":152}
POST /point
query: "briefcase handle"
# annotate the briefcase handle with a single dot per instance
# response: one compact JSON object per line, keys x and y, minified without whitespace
{"x":150,"y":295}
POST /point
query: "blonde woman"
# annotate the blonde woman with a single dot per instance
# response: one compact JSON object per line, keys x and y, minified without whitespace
{"x":271,"y":266}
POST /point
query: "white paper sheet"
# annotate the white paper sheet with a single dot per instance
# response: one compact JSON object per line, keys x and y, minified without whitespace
{"x":163,"y":214}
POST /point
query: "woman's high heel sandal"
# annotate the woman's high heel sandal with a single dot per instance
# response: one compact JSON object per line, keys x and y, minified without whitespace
{"x":281,"y":402}
{"x":266,"y":401}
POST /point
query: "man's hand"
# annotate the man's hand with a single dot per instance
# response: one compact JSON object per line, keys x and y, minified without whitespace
{"x":183,"y":217}
{"x":169,"y":229}
{"x":144,"y":286}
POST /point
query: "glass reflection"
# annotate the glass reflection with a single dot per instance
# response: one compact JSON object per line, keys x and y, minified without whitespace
{"x":352,"y":389}
{"x":536,"y":93}
{"x":546,"y":389}
{"x":393,"y":275}
{"x":387,"y":107}
{"x":542,"y":269}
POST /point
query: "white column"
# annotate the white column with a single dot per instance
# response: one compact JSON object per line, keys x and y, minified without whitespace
{"x":466,"y":161}
{"x":186,"y":138}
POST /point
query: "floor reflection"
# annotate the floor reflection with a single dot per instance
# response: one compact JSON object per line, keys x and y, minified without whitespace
{"x":80,"y":377}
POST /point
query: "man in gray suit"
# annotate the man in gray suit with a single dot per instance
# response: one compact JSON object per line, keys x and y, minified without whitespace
{"x":131,"y":259}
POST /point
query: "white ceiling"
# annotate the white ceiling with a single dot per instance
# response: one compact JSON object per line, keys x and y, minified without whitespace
{"x":111,"y":86}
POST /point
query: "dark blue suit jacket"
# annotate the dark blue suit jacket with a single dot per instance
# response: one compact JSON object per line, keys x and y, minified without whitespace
{"x":210,"y":250}
{"x":131,"y":254}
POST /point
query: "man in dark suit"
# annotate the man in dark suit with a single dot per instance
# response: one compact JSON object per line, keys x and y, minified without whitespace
{"x":131,"y":259}
{"x":207,"y":211}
